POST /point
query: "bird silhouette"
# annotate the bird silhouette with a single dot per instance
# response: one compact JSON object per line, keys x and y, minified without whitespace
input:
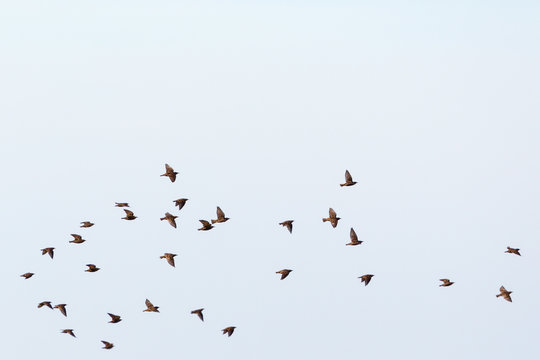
{"x":77,"y":239}
{"x":27,"y":275}
{"x":169,"y":257}
{"x":121,"y":204}
{"x":45,"y":303}
{"x":348,"y":179}
{"x":86,"y":224}
{"x":107,"y":344}
{"x":366,"y":278}
{"x":287,"y":224}
{"x":505,"y":294}
{"x":229,"y":330}
{"x":91,"y":268}
{"x":170,"y":218}
{"x":354,"y":238}
{"x":114,"y":318}
{"x":180,"y":203}
{"x":49,"y":250}
{"x":512,"y":251}
{"x":62,"y":308}
{"x":68,"y":331}
{"x":169,"y":171}
{"x":332,"y":218}
{"x":150,"y":306}
{"x":220,"y":216}
{"x":199,"y":313}
{"x":205,"y":225}
{"x":284,"y":273}
{"x":129,"y":215}
{"x":446,"y":282}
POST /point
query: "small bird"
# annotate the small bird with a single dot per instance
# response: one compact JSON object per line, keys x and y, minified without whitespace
{"x":205,"y":225}
{"x":107,"y":344}
{"x":91,"y":268}
{"x":114,"y":318}
{"x":512,"y":251}
{"x":505,"y":294}
{"x":220,"y":216}
{"x":77,"y":239}
{"x":62,"y":308}
{"x":287,"y":224}
{"x":446,"y":282}
{"x":348,"y":179}
{"x":170,"y":218}
{"x":229,"y":330}
{"x":68,"y":331}
{"x":284,"y":273}
{"x":87,"y":224}
{"x":27,"y":275}
{"x":354,"y":238}
{"x":332,"y":218}
{"x":169,"y":257}
{"x":366,"y":278}
{"x":199,"y":313}
{"x":129,"y":215}
{"x":169,"y":171}
{"x":180,"y":203}
{"x":45,"y":303}
{"x":49,"y":250}
{"x":150,"y":306}
{"x":121,"y":204}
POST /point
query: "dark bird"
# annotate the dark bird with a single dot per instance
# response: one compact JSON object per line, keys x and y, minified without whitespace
{"x":91,"y":268}
{"x":62,"y":308}
{"x":86,"y":224}
{"x":220,"y":216}
{"x":287,"y":224}
{"x":284,"y":273}
{"x":229,"y":330}
{"x":49,"y":250}
{"x":348,"y":179}
{"x":366,"y":278}
{"x":45,"y":303}
{"x":114,"y":318}
{"x":68,"y":331}
{"x":505,"y":294}
{"x":446,"y":282}
{"x":354,"y":238}
{"x":332,"y":218}
{"x":170,"y":218}
{"x":121,"y":204}
{"x":107,"y":344}
{"x":129,"y":215}
{"x":169,"y":257}
{"x":199,"y":313}
{"x":169,"y":171}
{"x":180,"y":203}
{"x":512,"y":251}
{"x":150,"y":306}
{"x":27,"y":275}
{"x":205,"y":225}
{"x":77,"y":239}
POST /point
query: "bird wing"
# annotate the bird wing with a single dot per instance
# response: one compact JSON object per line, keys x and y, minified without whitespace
{"x":348,"y":177}
{"x":354,"y":238}
{"x":148,"y":304}
{"x":170,"y":260}
{"x":205,"y":223}
{"x":128,"y":212}
{"x":220,"y":213}
{"x":332,"y":213}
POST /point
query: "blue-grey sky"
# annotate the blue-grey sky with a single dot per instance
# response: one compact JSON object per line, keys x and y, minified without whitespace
{"x":261,"y":106}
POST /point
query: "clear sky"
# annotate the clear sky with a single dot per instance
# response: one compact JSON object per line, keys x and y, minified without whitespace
{"x":261,"y":106}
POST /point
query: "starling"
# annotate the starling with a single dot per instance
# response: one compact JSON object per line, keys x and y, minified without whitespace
{"x":107,"y":344}
{"x":199,"y":313}
{"x":86,"y":224}
{"x":27,"y":275}
{"x":169,"y":171}
{"x":229,"y":330}
{"x":49,"y":250}
{"x":150,"y":306}
{"x":114,"y":318}
{"x":446,"y":282}
{"x":512,"y":251}
{"x":169,"y":257}
{"x":287,"y":224}
{"x":62,"y":308}
{"x":170,"y":218}
{"x":348,"y":179}
{"x":129,"y":215}
{"x":121,"y":204}
{"x":284,"y":273}
{"x":366,"y":278}
{"x":91,"y":268}
{"x":332,"y":218}
{"x":505,"y":294}
{"x":180,"y":203}
{"x":220,"y":216}
{"x":68,"y":331}
{"x":45,"y":303}
{"x":205,"y":225}
{"x":354,"y":239}
{"x":77,"y":239}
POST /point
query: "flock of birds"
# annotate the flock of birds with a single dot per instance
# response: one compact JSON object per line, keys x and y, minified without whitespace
{"x":208,"y":225}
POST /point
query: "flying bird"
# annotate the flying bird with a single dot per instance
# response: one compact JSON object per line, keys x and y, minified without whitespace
{"x":77,"y":239}
{"x":170,"y":218}
{"x":512,"y":251}
{"x":107,"y":344}
{"x":62,"y":308}
{"x":348,"y":179}
{"x":86,"y":224}
{"x":229,"y":330}
{"x":129,"y":215}
{"x":205,"y":225}
{"x":121,"y":204}
{"x":49,"y":250}
{"x":150,"y":306}
{"x":45,"y":303}
{"x":180,"y":203}
{"x":220,"y":216}
{"x":366,"y":278}
{"x":354,"y":238}
{"x":169,"y":171}
{"x":199,"y":313}
{"x":91,"y":268}
{"x":68,"y":331}
{"x":446,"y":282}
{"x":169,"y":257}
{"x":332,"y":218}
{"x":114,"y":318}
{"x":284,"y":273}
{"x":505,"y":294}
{"x":27,"y":275}
{"x":287,"y":224}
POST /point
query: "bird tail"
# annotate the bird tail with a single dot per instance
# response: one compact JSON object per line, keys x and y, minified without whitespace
{"x":342,"y":184}
{"x":325,"y":219}
{"x":213,"y":221}
{"x":498,"y":295}
{"x":162,"y":218}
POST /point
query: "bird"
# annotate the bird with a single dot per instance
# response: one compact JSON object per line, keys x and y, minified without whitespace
{"x":49,"y":250}
{"x":205,"y":225}
{"x":332,"y":218}
{"x":169,"y":171}
{"x":114,"y":318}
{"x":62,"y":308}
{"x":86,"y":224}
{"x":107,"y":344}
{"x":220,"y":216}
{"x":27,"y":275}
{"x":199,"y":313}
{"x":354,"y":238}
{"x":505,"y":294}
{"x":150,"y":306}
{"x":512,"y":251}
{"x":180,"y":203}
{"x":366,"y":278}
{"x":45,"y":303}
{"x":287,"y":224}
{"x":129,"y":215}
{"x":170,"y":218}
{"x":446,"y":282}
{"x":169,"y":257}
{"x":284,"y":273}
{"x":77,"y":239}
{"x":91,"y":268}
{"x":348,"y":179}
{"x":117,"y":204}
{"x":68,"y":331}
{"x":229,"y":330}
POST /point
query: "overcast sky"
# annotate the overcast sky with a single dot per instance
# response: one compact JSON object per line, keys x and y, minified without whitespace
{"x":261,"y":107}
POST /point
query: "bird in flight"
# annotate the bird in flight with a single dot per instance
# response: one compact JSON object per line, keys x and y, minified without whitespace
{"x":348,"y":179}
{"x":68,"y":331}
{"x":45,"y":303}
{"x":117,"y":204}
{"x":62,"y":308}
{"x":332,"y":218}
{"x":284,"y":273}
{"x":107,"y":344}
{"x":512,"y":251}
{"x":287,"y":224}
{"x":180,"y":203}
{"x":229,"y":330}
{"x":170,"y":218}
{"x":446,"y":282}
{"x":205,"y":225}
{"x":114,"y":318}
{"x":150,"y":306}
{"x":366,"y":278}
{"x":354,"y":238}
{"x":199,"y":313}
{"x":49,"y":250}
{"x":220,"y":216}
{"x":91,"y":268}
{"x":77,"y":239}
{"x":86,"y":224}
{"x":169,"y":257}
{"x":169,"y":172}
{"x":505,"y":294}
{"x":129,"y":215}
{"x":27,"y":275}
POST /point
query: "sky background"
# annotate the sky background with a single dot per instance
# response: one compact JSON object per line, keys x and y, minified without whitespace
{"x":261,"y":106}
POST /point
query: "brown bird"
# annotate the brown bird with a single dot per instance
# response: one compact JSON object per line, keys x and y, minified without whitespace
{"x":180,"y":203}
{"x":199,"y":313}
{"x":205,"y":225}
{"x":220,"y":216}
{"x":348,"y":179}
{"x":62,"y":308}
{"x":505,"y":294}
{"x":91,"y":268}
{"x":86,"y":224}
{"x":169,"y":257}
{"x":354,"y":238}
{"x":49,"y":250}
{"x":332,"y":218}
{"x":77,"y":239}
{"x":68,"y":331}
{"x":129,"y":215}
{"x":150,"y":306}
{"x":446,"y":282}
{"x":287,"y":224}
{"x":45,"y":303}
{"x":169,"y":171}
{"x":284,"y":273}
{"x":107,"y":344}
{"x":27,"y":275}
{"x":114,"y":318}
{"x":121,"y":204}
{"x":229,"y":330}
{"x":170,"y":218}
{"x":366,"y":278}
{"x":512,"y":251}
